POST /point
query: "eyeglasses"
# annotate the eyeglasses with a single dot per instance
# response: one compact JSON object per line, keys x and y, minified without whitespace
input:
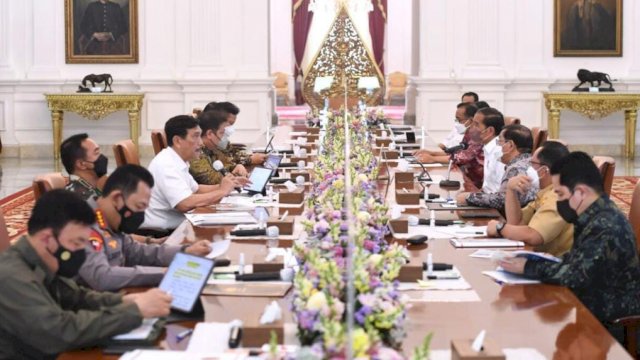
{"x":537,"y":163}
{"x":502,"y":141}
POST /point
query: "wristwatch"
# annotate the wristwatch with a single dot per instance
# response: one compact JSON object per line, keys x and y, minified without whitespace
{"x":499,"y":227}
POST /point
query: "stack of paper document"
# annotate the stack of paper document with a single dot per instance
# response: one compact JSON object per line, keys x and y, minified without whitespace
{"x":483,"y":243}
{"x":227,"y":218}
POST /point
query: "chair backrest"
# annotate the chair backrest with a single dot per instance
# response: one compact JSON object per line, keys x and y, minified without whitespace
{"x":47,"y":182}
{"x":397,"y":79}
{"x":539,"y":137}
{"x":607,"y":167}
{"x":281,"y":80}
{"x":126,"y":152}
{"x":158,"y":140}
{"x":508,"y":120}
{"x":4,"y":233}
{"x":634,"y":214}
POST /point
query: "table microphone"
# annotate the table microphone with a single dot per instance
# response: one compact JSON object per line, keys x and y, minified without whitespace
{"x":455,"y":149}
{"x":448,"y":182}
{"x":282,"y":275}
{"x":219,"y":167}
{"x":249,"y":232}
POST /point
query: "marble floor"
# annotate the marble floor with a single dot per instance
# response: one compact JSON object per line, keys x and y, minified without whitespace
{"x":16,"y":174}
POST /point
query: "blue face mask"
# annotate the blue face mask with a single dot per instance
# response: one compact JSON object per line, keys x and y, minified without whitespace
{"x":229,"y":130}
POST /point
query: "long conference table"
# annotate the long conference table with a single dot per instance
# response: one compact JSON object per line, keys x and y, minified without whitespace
{"x":547,"y":318}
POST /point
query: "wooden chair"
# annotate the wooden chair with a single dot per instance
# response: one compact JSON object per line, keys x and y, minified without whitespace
{"x":281,"y":84}
{"x":631,"y":324}
{"x":47,"y":182}
{"x":539,"y":137}
{"x":158,"y":140}
{"x":607,"y":167}
{"x":634,"y":214}
{"x":397,"y":85}
{"x":4,"y":233}
{"x":508,"y":120}
{"x":126,"y":152}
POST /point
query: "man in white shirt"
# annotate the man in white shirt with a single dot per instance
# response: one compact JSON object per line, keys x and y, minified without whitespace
{"x":176,"y":192}
{"x":455,"y":135}
{"x":489,"y":123}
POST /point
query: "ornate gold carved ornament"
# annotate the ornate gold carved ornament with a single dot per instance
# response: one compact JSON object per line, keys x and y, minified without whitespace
{"x":341,"y":55}
{"x":94,"y":106}
{"x":593,"y":106}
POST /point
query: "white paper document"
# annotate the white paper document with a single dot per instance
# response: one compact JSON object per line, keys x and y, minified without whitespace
{"x":181,"y":355}
{"x":485,"y":243}
{"x":219,"y":248}
{"x":140,"y":333}
{"x":504,"y":277}
{"x":510,"y":354}
{"x":227,"y":218}
{"x":209,"y":337}
{"x":183,"y":232}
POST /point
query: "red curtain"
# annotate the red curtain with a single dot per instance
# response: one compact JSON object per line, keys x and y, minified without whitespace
{"x":377,"y":23}
{"x":301,"y":18}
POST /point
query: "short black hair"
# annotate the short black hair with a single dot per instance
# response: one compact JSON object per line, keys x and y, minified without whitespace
{"x":71,"y":150}
{"x":492,"y":118}
{"x":552,"y":151}
{"x":56,"y":208}
{"x":469,"y":109}
{"x":126,"y":179}
{"x":209,"y":106}
{"x":179,"y":125}
{"x":212,"y":120}
{"x":520,"y":135}
{"x":470,"y":93}
{"x":481,"y":104}
{"x":578,"y":168}
{"x":226,"y":106}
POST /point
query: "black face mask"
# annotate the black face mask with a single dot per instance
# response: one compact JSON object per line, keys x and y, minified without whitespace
{"x":69,"y":262}
{"x":130,"y":224}
{"x":566,"y":212}
{"x":100,"y":165}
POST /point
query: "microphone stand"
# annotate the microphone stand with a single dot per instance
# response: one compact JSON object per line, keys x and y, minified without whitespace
{"x":448,"y":182}
{"x":424,"y":176}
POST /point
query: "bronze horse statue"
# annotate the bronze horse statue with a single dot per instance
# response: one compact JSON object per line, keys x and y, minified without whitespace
{"x":97,"y":79}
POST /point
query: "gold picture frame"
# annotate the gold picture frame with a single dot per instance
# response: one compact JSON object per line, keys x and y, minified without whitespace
{"x":101,"y":31}
{"x":587,"y":28}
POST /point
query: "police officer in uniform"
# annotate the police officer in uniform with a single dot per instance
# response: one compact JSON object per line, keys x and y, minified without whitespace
{"x":114,"y":259}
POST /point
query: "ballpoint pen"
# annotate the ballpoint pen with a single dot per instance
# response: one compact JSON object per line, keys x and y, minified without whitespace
{"x":470,"y":232}
{"x":183,"y":335}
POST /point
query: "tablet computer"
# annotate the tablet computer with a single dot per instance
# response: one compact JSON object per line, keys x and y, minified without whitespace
{"x":272,"y":162}
{"x":266,"y":148}
{"x":259,"y":178}
{"x":185,"y":278}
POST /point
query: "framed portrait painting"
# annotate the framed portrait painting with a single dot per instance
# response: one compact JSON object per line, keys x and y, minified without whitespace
{"x":587,"y":28}
{"x":101,"y":31}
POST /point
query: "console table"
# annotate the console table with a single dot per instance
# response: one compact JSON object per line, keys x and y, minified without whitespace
{"x":93,"y":106}
{"x":595,"y":106}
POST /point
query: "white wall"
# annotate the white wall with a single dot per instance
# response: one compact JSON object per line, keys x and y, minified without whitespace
{"x":191,"y":52}
{"x":503,"y":49}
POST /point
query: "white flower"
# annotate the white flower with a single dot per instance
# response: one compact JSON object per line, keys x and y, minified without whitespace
{"x":317,"y":301}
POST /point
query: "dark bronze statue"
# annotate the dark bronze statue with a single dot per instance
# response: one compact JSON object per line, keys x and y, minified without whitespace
{"x":96,"y":79}
{"x":586,"y":76}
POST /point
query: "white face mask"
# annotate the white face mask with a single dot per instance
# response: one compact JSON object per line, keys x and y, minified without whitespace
{"x":460,"y":128}
{"x":229,"y":130}
{"x":535,"y":178}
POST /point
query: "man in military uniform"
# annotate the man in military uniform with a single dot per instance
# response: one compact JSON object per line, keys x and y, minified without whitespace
{"x":234,"y":152}
{"x":114,"y":259}
{"x":602,"y":268}
{"x":86,"y":166}
{"x":42,"y":311}
{"x":214,"y":142}
{"x":102,"y":25}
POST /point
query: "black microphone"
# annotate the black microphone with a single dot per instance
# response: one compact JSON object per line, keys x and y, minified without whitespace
{"x":249,"y":232}
{"x":454,"y":149}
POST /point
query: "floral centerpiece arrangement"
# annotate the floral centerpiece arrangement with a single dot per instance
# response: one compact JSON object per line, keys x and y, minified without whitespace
{"x":319,"y":301}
